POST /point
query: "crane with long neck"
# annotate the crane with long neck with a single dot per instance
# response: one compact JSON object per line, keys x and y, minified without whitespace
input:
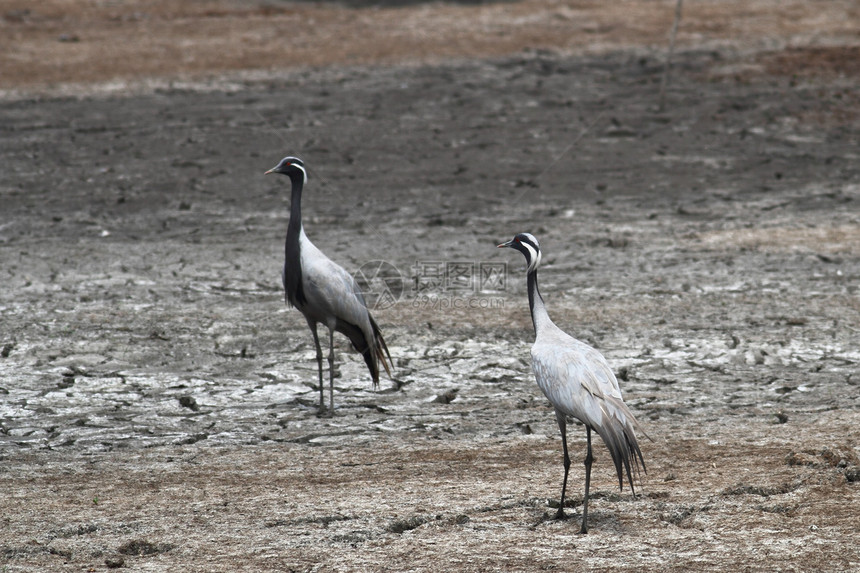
{"x":579,"y":383}
{"x":324,"y":292}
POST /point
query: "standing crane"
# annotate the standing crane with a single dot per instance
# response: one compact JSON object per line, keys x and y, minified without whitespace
{"x":578,"y":382}
{"x":324,"y":292}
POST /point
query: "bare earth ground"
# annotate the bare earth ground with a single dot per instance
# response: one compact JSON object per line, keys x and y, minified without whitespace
{"x":158,"y":398}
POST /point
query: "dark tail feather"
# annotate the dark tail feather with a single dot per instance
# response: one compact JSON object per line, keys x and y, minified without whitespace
{"x":615,"y":445}
{"x":381,"y":348}
{"x":632,"y":458}
{"x":373,"y":351}
{"x":625,"y":452}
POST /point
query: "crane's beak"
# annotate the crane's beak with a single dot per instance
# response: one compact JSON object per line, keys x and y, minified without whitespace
{"x":508,"y":244}
{"x":270,"y":171}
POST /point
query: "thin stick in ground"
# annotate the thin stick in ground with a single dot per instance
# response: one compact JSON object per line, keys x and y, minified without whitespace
{"x":665,"y":81}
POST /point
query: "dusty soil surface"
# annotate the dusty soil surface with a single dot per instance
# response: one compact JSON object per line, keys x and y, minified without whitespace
{"x":158,"y":400}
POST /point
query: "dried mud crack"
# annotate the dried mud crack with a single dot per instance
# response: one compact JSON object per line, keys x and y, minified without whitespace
{"x":158,"y":399}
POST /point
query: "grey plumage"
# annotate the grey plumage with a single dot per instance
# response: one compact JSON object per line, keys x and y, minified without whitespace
{"x":324,"y":292}
{"x":579,"y":383}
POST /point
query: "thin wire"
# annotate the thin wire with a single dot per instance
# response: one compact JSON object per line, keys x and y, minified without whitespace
{"x":552,"y":164}
{"x":269,"y":125}
{"x":317,"y":174}
{"x":565,"y":151}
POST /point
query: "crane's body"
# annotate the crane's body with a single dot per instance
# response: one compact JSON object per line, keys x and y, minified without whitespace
{"x":324,"y":292}
{"x":579,"y":383}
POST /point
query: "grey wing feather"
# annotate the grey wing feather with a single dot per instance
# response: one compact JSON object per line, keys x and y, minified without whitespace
{"x":335,"y":300}
{"x":334,"y":292}
{"x":574,"y":377}
{"x":578,"y":382}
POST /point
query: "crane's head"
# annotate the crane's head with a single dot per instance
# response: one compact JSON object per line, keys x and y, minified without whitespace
{"x":528,"y":245}
{"x":292,"y":167}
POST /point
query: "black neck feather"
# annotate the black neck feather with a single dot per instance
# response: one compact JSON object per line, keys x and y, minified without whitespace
{"x":534,"y":294}
{"x":292,"y":248}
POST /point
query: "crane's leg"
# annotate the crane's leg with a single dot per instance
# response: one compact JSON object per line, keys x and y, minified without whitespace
{"x":588,"y":459}
{"x":331,"y":370}
{"x":562,"y":425}
{"x":313,"y":326}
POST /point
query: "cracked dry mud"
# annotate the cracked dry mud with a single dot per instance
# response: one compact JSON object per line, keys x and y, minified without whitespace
{"x":158,"y":399}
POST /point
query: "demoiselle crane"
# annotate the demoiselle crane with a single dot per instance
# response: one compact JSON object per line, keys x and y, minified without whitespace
{"x":324,"y":292}
{"x":578,"y":382}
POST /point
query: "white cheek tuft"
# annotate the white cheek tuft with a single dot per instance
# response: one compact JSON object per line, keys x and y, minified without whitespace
{"x":534,"y":256}
{"x":304,"y":173}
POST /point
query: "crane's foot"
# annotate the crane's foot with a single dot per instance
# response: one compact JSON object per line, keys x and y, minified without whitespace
{"x":561,"y":515}
{"x":324,"y":412}
{"x":583,"y":530}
